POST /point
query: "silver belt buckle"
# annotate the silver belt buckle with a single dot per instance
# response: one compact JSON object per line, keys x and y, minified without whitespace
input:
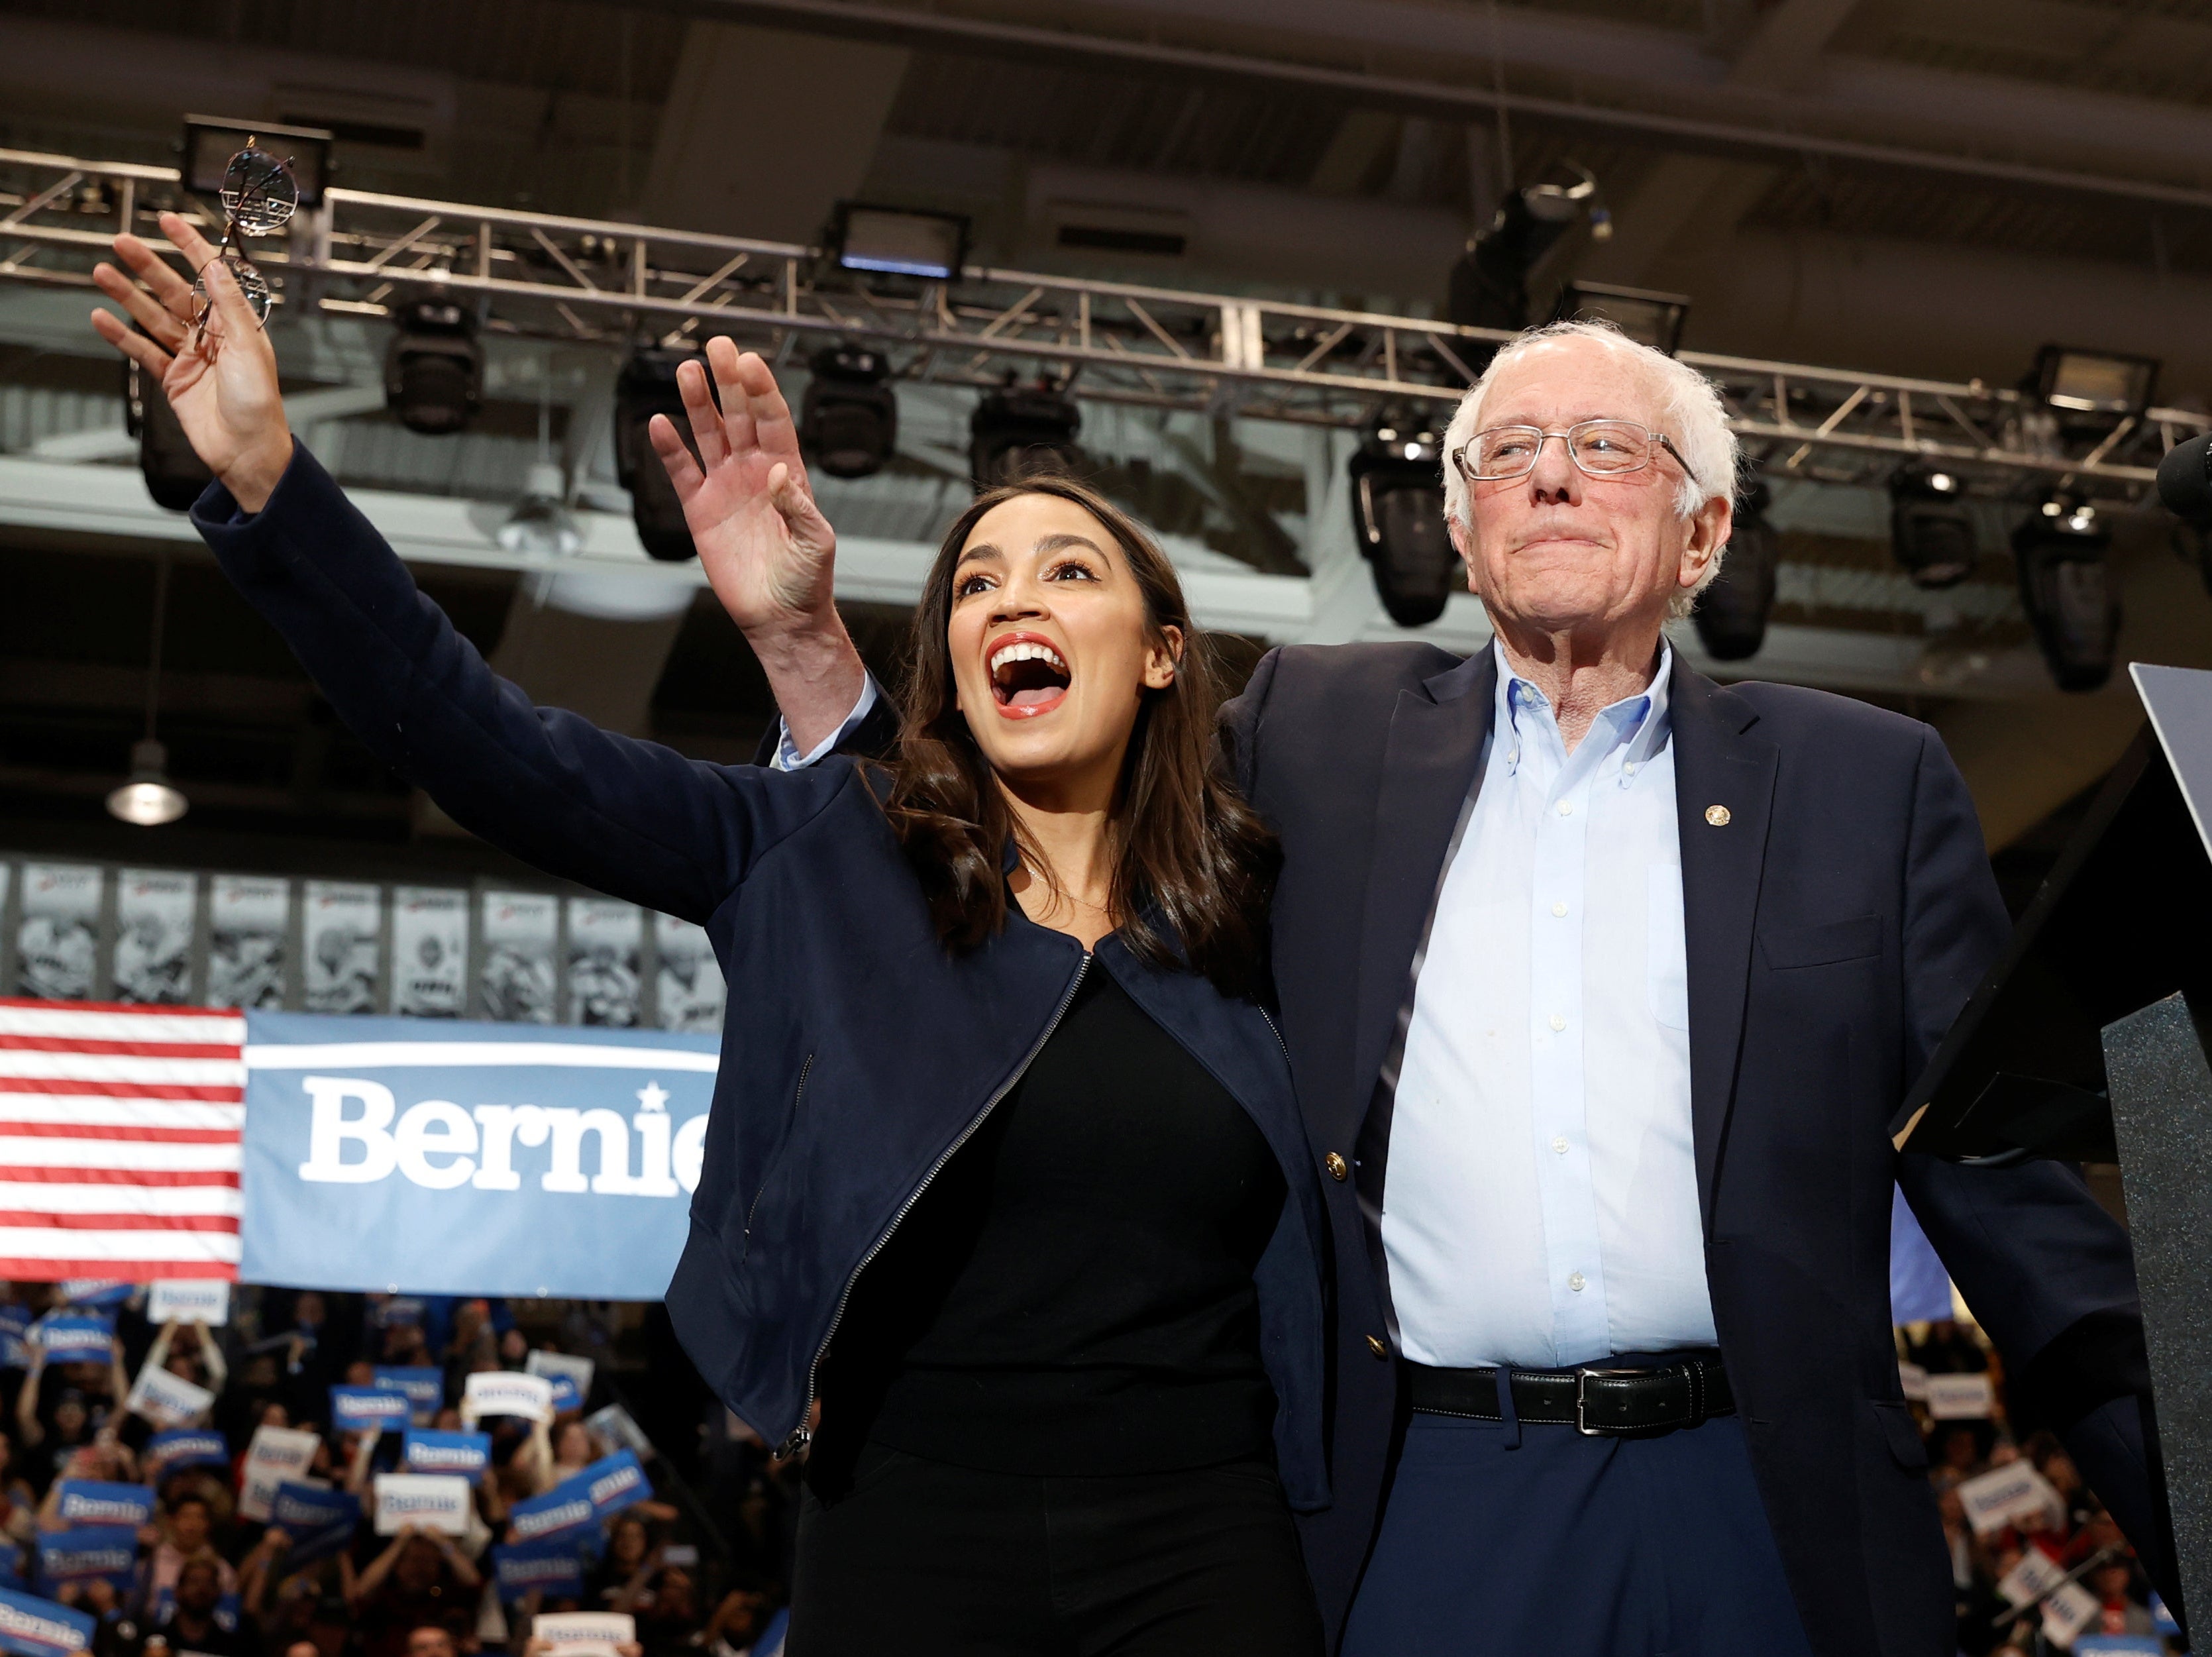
{"x":1582,"y":1374}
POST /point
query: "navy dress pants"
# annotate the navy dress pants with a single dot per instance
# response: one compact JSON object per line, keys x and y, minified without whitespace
{"x":1573,"y":1547}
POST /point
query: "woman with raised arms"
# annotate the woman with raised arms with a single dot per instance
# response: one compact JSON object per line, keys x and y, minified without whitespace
{"x":1003,"y":1173}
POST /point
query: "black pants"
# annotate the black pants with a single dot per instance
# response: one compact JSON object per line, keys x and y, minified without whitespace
{"x":920,"y":1558}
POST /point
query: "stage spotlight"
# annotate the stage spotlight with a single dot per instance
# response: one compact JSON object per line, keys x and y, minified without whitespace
{"x":2067,"y":589}
{"x":2109,"y":384}
{"x":1732,"y":612}
{"x":848,"y":422}
{"x":434,"y":367}
{"x":1489,"y":286}
{"x":1648,"y":317}
{"x":866,"y":237}
{"x":1398,"y":514}
{"x":174,"y":475}
{"x":1931,"y":527}
{"x":647,"y":387}
{"x":1021,"y":431}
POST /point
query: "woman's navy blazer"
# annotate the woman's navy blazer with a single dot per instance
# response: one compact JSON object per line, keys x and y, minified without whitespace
{"x":857,"y":1053}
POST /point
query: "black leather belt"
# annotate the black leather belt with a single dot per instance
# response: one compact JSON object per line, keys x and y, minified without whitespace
{"x":1594,"y":1399}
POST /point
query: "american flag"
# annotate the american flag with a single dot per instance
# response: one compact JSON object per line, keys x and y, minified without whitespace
{"x":119,"y":1130}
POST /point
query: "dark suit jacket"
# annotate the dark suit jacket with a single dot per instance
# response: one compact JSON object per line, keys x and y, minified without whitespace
{"x":1836,"y":924}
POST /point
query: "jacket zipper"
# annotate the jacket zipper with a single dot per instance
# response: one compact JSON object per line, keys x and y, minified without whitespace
{"x":798,"y":1098}
{"x":802,"y":1436}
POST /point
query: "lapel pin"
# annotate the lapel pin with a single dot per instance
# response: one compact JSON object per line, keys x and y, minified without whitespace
{"x":1717,"y":816}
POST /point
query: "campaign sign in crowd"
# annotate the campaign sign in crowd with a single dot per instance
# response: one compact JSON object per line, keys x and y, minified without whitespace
{"x":82,"y":1501}
{"x":358,"y":1409}
{"x":368,"y":1469}
{"x":39,"y":1627}
{"x":424,"y":1450}
{"x":317,"y":1522}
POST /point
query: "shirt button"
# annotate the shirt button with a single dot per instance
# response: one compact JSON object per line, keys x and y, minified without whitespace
{"x":1577,"y":1281}
{"x":1375,"y":1344}
{"x":1566,"y":808}
{"x":1558,"y":1021}
{"x":1337,"y":1166}
{"x":1560,"y":908}
{"x":1559,"y":1143}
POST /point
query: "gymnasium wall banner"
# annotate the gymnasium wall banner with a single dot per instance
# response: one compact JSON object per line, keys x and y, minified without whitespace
{"x":439,"y":1157}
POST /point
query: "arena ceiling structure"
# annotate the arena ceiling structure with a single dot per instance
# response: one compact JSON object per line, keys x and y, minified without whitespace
{"x":1903,"y":203}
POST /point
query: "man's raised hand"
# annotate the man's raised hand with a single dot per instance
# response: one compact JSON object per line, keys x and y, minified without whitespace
{"x":221,"y":379}
{"x":769,"y":553}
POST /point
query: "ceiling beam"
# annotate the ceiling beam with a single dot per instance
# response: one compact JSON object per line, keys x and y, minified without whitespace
{"x":1686,"y":193}
{"x":765,"y":128}
{"x":1860,"y":110}
{"x":1786,"y":44}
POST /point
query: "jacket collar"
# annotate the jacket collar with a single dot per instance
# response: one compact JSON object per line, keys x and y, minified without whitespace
{"x":1429,"y":762}
{"x":1724,"y":773}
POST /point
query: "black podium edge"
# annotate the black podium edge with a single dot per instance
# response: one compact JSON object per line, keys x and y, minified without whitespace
{"x":2144,"y":753}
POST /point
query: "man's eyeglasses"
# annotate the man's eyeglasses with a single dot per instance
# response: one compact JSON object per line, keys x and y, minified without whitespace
{"x":1599,"y":448}
{"x":258,"y":196}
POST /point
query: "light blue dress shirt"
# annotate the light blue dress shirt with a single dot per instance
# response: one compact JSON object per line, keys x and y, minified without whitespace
{"x":1540,"y":1201}
{"x":788,"y":756}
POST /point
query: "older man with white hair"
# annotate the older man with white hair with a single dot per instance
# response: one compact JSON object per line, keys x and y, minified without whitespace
{"x":1601,"y":983}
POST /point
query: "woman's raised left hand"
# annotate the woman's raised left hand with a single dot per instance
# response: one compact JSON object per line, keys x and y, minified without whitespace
{"x":764,"y":546}
{"x":221,"y":379}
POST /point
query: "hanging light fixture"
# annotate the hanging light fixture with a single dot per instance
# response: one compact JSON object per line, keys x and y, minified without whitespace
{"x":149,"y":799}
{"x":541,"y":525}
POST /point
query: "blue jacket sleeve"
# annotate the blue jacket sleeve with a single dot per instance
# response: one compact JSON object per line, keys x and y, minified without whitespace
{"x":629,"y":817}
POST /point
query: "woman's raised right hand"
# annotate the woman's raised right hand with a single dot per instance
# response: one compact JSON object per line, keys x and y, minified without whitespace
{"x":220,"y":379}
{"x":768,"y":551}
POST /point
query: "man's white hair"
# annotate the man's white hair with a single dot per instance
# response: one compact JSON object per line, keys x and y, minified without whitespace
{"x":1688,"y":409}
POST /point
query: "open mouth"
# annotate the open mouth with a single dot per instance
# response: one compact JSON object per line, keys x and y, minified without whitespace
{"x":1028,"y":676}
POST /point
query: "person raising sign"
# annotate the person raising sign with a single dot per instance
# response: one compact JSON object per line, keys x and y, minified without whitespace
{"x":1003,"y":1168}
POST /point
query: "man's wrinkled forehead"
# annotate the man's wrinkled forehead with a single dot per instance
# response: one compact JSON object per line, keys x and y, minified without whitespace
{"x":1558,"y":382}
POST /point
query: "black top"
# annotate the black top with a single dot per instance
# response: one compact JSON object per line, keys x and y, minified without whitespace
{"x":1073,"y":1292}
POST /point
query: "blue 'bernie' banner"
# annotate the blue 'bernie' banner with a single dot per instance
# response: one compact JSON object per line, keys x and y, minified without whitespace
{"x":357,"y":1409}
{"x":83,"y":1503}
{"x":424,"y":1450}
{"x":320,"y":1522}
{"x":106,"y":1552}
{"x":471,"y":1158}
{"x":188,"y":1446}
{"x":33,"y":1627}
{"x":553,"y":1568}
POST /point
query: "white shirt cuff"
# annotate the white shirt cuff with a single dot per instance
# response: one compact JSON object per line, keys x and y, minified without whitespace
{"x":788,"y":756}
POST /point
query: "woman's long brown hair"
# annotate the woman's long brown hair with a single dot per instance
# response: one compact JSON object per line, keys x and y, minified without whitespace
{"x":1189,"y":854}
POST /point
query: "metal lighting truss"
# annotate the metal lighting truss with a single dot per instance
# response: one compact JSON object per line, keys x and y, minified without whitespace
{"x":545,"y":275}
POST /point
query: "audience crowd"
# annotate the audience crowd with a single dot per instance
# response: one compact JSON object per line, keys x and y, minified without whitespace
{"x":696,"y":1564}
{"x":2010,"y":1571}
